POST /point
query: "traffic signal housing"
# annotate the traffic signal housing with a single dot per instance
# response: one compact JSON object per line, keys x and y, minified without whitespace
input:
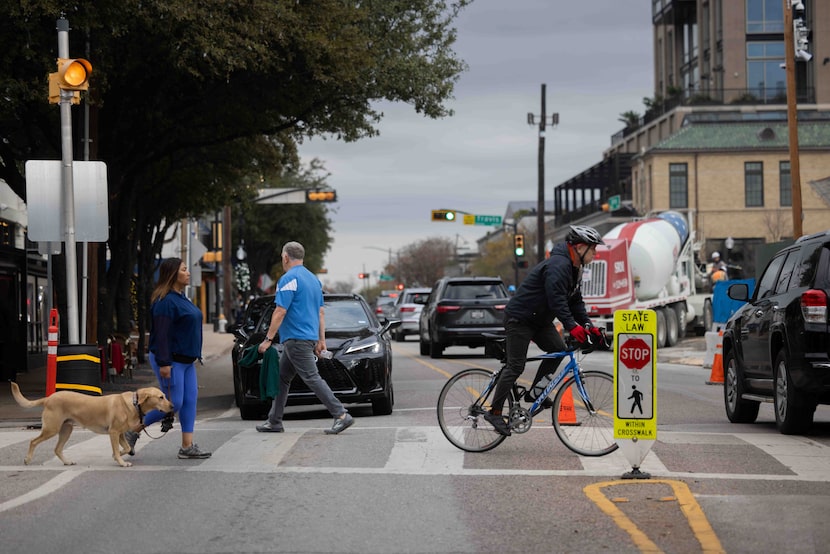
{"x":443,"y":215}
{"x":320,"y":196}
{"x":519,"y":245}
{"x":362,"y":275}
{"x":72,"y":74}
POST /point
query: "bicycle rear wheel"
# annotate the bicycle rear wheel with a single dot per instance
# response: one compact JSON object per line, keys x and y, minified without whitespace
{"x":585,"y":432}
{"x":461,"y":412}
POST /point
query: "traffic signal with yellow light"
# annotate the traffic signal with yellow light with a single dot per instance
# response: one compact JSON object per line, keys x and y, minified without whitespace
{"x":320,"y":196}
{"x":519,"y":245}
{"x":72,"y":74}
{"x":443,"y":215}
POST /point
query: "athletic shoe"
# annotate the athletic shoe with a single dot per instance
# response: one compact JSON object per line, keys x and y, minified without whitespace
{"x":340,"y":424}
{"x":193,"y":452}
{"x":498,"y":423}
{"x":131,"y":437}
{"x":269,"y":427}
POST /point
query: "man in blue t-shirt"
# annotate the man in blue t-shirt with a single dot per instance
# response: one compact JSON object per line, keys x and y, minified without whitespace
{"x":299,"y":318}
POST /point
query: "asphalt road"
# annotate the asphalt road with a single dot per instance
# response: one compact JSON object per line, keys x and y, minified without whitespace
{"x":394,"y":484}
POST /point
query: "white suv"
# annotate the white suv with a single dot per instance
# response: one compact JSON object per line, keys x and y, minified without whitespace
{"x":408,"y":309}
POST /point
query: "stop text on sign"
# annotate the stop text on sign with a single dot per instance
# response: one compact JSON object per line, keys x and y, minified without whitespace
{"x":635,"y":353}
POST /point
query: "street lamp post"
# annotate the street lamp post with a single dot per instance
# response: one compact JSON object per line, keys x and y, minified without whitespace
{"x":388,"y":250}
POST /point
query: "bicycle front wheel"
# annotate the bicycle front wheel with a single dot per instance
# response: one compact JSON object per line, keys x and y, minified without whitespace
{"x":461,"y":411}
{"x":586,"y":432}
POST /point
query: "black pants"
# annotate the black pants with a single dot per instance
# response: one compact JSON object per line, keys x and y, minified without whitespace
{"x":519,"y":336}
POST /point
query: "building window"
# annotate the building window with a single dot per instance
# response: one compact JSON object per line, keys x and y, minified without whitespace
{"x":765,"y":79}
{"x":678,"y":186}
{"x":754,"y":184}
{"x":785,"y":184}
{"x":764,"y":16}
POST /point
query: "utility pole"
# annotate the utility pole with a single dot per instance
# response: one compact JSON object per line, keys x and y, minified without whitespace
{"x":792,"y":117}
{"x":540,"y":204}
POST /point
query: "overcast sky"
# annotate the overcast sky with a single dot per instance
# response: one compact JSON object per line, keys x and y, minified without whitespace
{"x":595,"y":58}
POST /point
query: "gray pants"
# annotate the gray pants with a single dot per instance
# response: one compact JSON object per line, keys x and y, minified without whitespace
{"x":298,"y":359}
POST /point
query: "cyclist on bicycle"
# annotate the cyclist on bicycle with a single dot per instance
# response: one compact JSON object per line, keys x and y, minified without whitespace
{"x":550,"y":290}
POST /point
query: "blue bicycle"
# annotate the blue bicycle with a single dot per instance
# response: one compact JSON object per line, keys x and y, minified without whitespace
{"x":582,"y":413}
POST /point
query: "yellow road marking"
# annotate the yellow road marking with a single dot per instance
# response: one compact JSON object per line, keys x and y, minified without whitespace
{"x":698,"y":523}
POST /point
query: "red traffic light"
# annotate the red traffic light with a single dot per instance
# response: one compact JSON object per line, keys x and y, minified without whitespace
{"x":362,"y":275}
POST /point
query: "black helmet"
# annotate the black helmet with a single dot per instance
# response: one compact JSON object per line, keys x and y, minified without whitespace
{"x":582,"y":234}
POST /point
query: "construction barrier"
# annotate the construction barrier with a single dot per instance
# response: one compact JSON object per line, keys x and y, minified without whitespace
{"x":716,"y":376}
{"x":52,"y":352}
{"x":79,"y":368}
{"x":712,"y":339}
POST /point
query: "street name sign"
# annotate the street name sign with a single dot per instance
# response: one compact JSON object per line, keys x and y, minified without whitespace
{"x":472,"y":219}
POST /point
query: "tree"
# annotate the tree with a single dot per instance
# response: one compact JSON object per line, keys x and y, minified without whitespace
{"x":422,"y":263}
{"x":497,"y":259}
{"x":194,"y":106}
{"x":630,"y":119}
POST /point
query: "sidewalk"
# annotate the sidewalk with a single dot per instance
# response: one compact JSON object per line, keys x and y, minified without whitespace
{"x":33,"y":382}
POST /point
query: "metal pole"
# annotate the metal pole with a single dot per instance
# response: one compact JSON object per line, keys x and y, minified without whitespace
{"x":540,"y":208}
{"x":68,"y":193}
{"x":792,"y":118}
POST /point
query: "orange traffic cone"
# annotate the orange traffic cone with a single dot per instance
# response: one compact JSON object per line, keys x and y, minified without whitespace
{"x":716,"y":377}
{"x":567,"y":414}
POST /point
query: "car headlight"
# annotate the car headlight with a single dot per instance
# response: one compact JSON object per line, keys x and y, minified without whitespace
{"x":368,"y":346}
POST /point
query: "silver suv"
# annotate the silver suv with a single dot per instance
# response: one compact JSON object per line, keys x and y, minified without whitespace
{"x":408,"y":309}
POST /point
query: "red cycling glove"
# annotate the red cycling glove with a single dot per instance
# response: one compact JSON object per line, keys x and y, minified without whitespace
{"x":596,"y":331}
{"x":579,"y":333}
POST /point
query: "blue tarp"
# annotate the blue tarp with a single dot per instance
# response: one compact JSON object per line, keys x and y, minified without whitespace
{"x":722,"y":306}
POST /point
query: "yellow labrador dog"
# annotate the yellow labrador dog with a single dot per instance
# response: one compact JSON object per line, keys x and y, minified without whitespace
{"x":112,"y":415}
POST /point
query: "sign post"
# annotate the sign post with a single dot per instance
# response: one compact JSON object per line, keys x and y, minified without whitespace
{"x":635,"y":383}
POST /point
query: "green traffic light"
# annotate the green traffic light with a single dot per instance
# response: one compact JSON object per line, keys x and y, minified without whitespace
{"x":520,"y":252}
{"x":450,"y":216}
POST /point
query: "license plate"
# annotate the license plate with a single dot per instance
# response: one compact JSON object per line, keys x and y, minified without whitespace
{"x":477,"y":314}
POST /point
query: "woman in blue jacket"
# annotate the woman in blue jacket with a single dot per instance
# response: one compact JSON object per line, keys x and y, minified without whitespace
{"x":175,"y":345}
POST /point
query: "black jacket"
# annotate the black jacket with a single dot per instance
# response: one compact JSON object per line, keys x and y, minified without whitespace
{"x":550,"y":290}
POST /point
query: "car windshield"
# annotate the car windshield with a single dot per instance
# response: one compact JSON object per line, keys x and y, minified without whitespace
{"x":345,"y":314}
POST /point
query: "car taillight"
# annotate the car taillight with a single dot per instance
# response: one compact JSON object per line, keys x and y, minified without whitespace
{"x":447,"y":309}
{"x":407,"y":309}
{"x":814,"y":306}
{"x":500,"y":306}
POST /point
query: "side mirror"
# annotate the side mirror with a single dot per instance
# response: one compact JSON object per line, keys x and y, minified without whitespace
{"x":738,"y":291}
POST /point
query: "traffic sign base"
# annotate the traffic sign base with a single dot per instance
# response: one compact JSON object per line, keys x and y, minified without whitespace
{"x":635,"y":473}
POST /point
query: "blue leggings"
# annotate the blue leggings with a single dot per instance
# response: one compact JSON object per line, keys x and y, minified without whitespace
{"x":181,"y":389}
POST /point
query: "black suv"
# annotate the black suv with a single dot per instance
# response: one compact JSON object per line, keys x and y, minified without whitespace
{"x":776,"y":348}
{"x":459,"y":310}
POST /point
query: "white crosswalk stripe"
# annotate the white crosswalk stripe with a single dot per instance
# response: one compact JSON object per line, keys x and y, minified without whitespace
{"x":413,"y":451}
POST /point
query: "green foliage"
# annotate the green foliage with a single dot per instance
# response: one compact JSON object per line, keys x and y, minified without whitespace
{"x":496,"y":259}
{"x":195,"y":104}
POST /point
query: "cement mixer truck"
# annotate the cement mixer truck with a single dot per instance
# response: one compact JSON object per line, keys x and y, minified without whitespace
{"x":648,"y":264}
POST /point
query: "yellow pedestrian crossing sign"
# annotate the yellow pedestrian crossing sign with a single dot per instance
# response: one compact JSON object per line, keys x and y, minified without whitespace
{"x":635,"y":401}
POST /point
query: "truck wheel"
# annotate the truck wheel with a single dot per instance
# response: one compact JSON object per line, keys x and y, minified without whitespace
{"x":661,"y":327}
{"x":672,"y":330}
{"x":680,"y":310}
{"x":793,"y":409}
